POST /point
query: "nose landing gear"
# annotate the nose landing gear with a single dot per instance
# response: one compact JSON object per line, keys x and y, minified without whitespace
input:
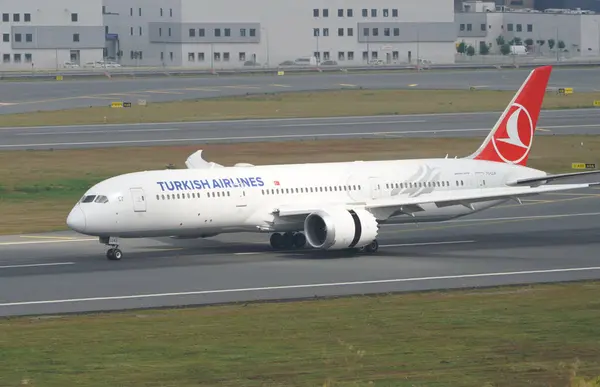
{"x":113,"y":253}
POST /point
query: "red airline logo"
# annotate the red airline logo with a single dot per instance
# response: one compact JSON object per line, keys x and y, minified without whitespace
{"x":514,"y":137}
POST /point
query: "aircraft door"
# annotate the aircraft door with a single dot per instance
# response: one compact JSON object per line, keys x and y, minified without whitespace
{"x":375,"y":185}
{"x":139,"y":199}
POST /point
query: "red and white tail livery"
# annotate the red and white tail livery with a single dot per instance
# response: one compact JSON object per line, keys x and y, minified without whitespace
{"x":511,"y":139}
{"x":326,"y":206}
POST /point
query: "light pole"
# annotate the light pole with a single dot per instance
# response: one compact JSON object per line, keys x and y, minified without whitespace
{"x":267,"y":43}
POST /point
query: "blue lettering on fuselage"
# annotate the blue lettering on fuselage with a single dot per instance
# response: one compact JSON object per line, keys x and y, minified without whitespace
{"x":226,"y":182}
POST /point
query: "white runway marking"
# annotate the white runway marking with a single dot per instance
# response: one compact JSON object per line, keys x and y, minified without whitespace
{"x":305,"y":286}
{"x":37,"y":264}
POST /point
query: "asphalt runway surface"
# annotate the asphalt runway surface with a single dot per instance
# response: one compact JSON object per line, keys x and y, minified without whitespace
{"x":555,"y":237}
{"x":551,"y":122}
{"x":19,"y":97}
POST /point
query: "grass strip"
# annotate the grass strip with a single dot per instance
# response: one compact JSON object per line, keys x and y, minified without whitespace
{"x":531,"y":335}
{"x":38,"y":188}
{"x":302,"y":104}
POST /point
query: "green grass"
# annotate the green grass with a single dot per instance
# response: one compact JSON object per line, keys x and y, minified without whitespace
{"x":514,"y":336}
{"x":307,"y":104}
{"x":38,"y":188}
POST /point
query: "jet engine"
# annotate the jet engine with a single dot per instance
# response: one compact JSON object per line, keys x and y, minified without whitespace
{"x":339,"y":228}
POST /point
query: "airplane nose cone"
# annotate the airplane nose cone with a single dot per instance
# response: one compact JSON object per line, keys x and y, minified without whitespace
{"x":76,"y":219}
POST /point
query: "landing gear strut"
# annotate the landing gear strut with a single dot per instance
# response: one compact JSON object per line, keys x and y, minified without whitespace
{"x":371,"y":247}
{"x":113,"y":253}
{"x":288,"y":241}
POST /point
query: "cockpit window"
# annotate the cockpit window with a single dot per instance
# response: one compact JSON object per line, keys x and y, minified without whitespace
{"x":101,"y":199}
{"x":88,"y":199}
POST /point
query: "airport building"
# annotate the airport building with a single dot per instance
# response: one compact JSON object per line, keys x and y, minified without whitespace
{"x":40,"y":34}
{"x":234,"y":33}
{"x":482,"y":23}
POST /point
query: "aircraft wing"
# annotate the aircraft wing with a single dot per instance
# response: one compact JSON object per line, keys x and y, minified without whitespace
{"x":196,"y":161}
{"x":541,"y":179}
{"x":441,"y":199}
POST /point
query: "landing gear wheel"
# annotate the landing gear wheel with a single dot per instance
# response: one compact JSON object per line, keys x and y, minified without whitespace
{"x":372,"y":247}
{"x":276,"y":241}
{"x":299,"y":240}
{"x":114,"y":254}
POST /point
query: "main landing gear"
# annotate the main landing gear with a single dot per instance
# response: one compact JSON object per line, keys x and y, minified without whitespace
{"x":113,"y":253}
{"x":371,"y":248}
{"x":288,"y":240}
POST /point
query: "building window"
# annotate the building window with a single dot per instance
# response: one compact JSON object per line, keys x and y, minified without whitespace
{"x":469,"y":27}
{"x":374,"y":54}
{"x":161,"y":12}
{"x":325,"y":31}
{"x":365,"y":31}
{"x":396,"y":31}
{"x":169,"y":31}
{"x":317,"y":55}
{"x":171,"y":12}
{"x":350,"y":32}
{"x":130,"y":11}
{"x":326,"y":55}
{"x":315,"y":12}
{"x":28,"y":58}
{"x":139,"y":11}
{"x":226,"y":57}
{"x":27,"y":18}
{"x":227,"y":31}
{"x":242,"y":56}
{"x":17,"y":58}
{"x":365,"y":12}
{"x":5,"y":37}
{"x":191,"y":57}
{"x":394,"y":13}
{"x":242,"y":32}
{"x":200,"y":57}
{"x":252,"y":31}
{"x":17,"y":37}
{"x":16,"y":17}
{"x":529,"y":27}
{"x":341,"y":55}
{"x":162,"y":56}
{"x":395,"y":55}
{"x":340,"y":32}
{"x":140,"y":30}
{"x":159,"y":31}
{"x":6,"y":58}
{"x":131,"y":31}
{"x":519,"y":28}
{"x":192,"y":32}
{"x":76,"y":37}
{"x":201,"y":32}
{"x":74,"y":17}
{"x":373,"y":12}
{"x":5,"y":18}
{"x":171,"y":56}
{"x":29,"y":37}
{"x":349,"y":13}
{"x":340,"y":13}
{"x":483,"y":27}
{"x":386,"y":32}
{"x":315,"y":32}
{"x":375,"y":31}
{"x":217,"y":56}
{"x":217,"y":32}
{"x":350,"y":55}
{"x":325,"y":13}
{"x":365,"y":55}
{"x":509,"y":27}
{"x":386,"y":13}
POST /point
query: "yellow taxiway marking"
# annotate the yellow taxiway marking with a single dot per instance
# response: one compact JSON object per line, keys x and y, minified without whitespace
{"x":347,"y":84}
{"x":279,"y":85}
{"x":543,"y":130}
{"x":413,"y":85}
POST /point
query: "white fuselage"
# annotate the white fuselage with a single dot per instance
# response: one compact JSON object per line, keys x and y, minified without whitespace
{"x":209,"y":201}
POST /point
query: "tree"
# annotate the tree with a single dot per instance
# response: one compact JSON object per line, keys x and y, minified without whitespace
{"x":484,"y":49}
{"x":541,"y":42}
{"x":561,"y":45}
{"x":461,"y":48}
{"x":551,"y":43}
{"x":516,"y":41}
{"x":529,"y":42}
{"x":470,"y":51}
{"x":505,"y":49}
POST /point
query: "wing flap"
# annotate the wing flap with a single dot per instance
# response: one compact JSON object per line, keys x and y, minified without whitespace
{"x":541,"y":179}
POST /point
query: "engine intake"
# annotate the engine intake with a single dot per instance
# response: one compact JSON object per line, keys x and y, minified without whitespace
{"x":336,"y":229}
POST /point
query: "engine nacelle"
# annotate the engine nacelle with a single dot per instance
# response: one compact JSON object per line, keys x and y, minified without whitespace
{"x":338,"y":228}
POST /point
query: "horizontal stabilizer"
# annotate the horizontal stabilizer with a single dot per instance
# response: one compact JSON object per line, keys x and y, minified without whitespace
{"x":196,"y":161}
{"x":547,"y":178}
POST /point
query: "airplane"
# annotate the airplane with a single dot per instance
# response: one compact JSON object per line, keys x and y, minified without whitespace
{"x":329,"y":206}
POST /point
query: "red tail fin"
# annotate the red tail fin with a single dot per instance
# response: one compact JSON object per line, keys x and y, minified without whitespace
{"x":511,"y":138}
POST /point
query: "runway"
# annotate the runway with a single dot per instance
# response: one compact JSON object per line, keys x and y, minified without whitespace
{"x":55,"y":95}
{"x":551,"y":122}
{"x":555,"y":237}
